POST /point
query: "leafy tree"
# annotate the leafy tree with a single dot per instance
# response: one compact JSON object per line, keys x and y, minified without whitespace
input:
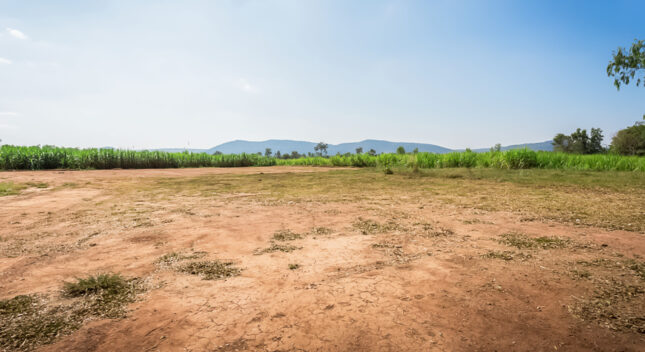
{"x":627,"y":64}
{"x":217,"y":152}
{"x":400,"y":150}
{"x":359,"y":150}
{"x":295,"y":155}
{"x":372,"y":152}
{"x":630,"y":141}
{"x":321,"y":148}
{"x":415,"y":151}
{"x":579,"y":142}
{"x":496,"y":148}
{"x":595,"y":141}
{"x":278,"y":154}
{"x":267,"y":152}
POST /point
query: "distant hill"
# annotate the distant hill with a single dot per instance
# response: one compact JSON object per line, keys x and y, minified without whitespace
{"x":543,"y":146}
{"x":303,"y":147}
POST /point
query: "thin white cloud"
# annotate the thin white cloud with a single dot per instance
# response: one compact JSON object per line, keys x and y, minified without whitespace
{"x":17,"y":34}
{"x":4,"y":61}
{"x":8,"y":113}
{"x":245,"y":85}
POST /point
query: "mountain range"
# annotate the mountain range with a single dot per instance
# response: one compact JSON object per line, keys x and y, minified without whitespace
{"x":303,"y":147}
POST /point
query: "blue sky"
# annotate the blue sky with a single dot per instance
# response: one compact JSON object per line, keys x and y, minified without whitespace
{"x":147,"y":74}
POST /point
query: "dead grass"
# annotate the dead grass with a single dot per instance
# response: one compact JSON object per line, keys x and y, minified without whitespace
{"x":522,"y":241}
{"x":321,"y":231}
{"x":171,"y":259}
{"x":286,"y":235}
{"x":210,"y":270}
{"x":614,"y":304}
{"x":275,"y":247}
{"x":29,"y":321}
{"x":506,"y":255}
{"x":370,"y":227}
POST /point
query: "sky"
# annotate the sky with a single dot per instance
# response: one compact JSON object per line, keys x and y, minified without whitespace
{"x":194,"y":74}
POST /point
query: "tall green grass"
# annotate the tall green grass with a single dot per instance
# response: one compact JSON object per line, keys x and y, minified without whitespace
{"x":511,"y":159}
{"x":47,"y":157}
{"x":39,"y":158}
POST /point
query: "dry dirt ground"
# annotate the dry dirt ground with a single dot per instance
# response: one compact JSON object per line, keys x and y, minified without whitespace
{"x":336,"y":260}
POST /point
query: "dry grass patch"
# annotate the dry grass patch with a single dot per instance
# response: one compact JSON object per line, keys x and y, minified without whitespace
{"x":522,"y":241}
{"x":506,"y":255}
{"x":275,"y":247}
{"x":614,"y":304}
{"x":370,"y":227}
{"x":286,"y":235}
{"x":210,"y":270}
{"x":29,"y":321}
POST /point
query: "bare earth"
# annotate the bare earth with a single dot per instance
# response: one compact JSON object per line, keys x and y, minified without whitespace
{"x":385,"y":263}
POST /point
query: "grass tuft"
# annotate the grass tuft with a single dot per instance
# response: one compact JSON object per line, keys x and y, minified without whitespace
{"x":294,"y":266}
{"x":102,"y":283}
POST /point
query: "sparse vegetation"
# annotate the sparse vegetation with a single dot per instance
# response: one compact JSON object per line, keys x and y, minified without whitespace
{"x":294,"y":266}
{"x":28,"y":321}
{"x":506,"y":255}
{"x":522,"y":241}
{"x":173,"y":258}
{"x":368,"y":227}
{"x":286,"y":235}
{"x":210,"y":270}
{"x":612,"y":306}
{"x":10,"y":188}
{"x":321,"y":231}
{"x":274,"y":247}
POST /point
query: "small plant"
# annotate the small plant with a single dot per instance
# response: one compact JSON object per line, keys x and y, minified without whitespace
{"x":286,"y":235}
{"x":210,"y":270}
{"x":294,"y":266}
{"x":103,"y":283}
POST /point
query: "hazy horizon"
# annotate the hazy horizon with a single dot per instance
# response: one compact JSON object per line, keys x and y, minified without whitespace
{"x":197,"y":74}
